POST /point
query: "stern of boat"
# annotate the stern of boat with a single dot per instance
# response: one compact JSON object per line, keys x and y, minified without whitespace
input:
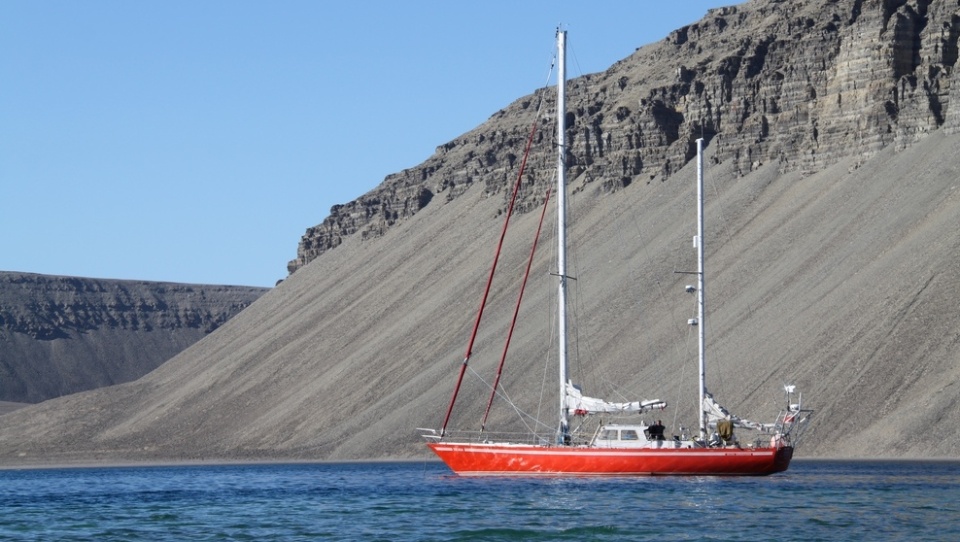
{"x":781,"y":460}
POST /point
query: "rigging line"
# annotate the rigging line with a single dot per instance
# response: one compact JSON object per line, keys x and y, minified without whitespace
{"x":597,"y":372}
{"x":682,"y":354}
{"x":551,"y":316}
{"x":523,"y":416}
{"x":599,"y":377}
{"x":582,"y":341}
{"x":576,"y":308}
{"x":683,"y":369}
{"x":573,"y":52}
{"x":579,"y":305}
{"x":657,"y":365}
{"x":610,"y":387}
{"x":550,"y":355}
{"x":516,"y":310}
{"x":493,"y":268}
{"x":727,"y":239}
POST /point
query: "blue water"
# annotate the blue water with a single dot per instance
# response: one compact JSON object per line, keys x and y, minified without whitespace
{"x":815,"y":500}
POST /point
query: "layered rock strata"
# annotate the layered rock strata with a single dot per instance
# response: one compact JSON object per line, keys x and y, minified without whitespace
{"x":798,"y":84}
{"x":60,"y":335}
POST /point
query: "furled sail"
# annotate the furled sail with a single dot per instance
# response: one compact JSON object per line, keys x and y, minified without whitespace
{"x":716,"y":412}
{"x":582,"y":405}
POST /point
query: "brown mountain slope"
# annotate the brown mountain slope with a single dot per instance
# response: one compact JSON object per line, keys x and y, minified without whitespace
{"x":831,"y":265}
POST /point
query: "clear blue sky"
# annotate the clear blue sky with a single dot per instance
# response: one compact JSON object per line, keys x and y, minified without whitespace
{"x":196,"y":141}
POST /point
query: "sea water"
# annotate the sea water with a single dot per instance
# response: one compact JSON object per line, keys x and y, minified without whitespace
{"x":814,"y":500}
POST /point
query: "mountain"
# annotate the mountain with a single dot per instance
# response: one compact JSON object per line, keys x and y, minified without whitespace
{"x":797,"y":84}
{"x":831,"y":252}
{"x":62,"y":335}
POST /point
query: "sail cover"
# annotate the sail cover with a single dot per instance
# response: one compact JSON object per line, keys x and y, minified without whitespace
{"x":582,"y":405}
{"x":716,"y":412}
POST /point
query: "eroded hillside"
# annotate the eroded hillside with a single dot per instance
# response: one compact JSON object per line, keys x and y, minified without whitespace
{"x":831,"y":249}
{"x":800,"y":85}
{"x":61,"y":335}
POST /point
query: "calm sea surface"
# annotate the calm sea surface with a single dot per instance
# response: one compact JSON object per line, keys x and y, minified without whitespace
{"x":815,"y":500}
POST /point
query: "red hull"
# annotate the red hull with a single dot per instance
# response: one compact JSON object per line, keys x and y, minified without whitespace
{"x":470,"y":459}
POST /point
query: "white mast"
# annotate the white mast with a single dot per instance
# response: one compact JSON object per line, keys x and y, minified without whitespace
{"x":701,"y":295}
{"x":562,"y":430}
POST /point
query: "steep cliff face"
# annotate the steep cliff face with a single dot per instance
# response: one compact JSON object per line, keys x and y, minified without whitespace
{"x":841,"y":280}
{"x":60,"y":335}
{"x":798,"y":84}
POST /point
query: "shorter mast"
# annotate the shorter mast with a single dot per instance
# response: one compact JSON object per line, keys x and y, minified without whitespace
{"x":701,"y":295}
{"x":564,"y":427}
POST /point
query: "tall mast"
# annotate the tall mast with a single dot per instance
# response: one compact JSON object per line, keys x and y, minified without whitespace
{"x":701,"y":295}
{"x":563,"y":429}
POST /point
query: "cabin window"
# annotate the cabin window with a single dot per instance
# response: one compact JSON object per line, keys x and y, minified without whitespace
{"x":628,"y":434}
{"x":608,"y":434}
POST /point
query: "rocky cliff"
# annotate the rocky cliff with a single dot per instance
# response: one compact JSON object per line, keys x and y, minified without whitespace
{"x":61,"y":335}
{"x":831,"y":245}
{"x":800,"y":85}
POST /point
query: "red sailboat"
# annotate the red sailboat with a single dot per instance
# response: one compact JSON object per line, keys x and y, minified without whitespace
{"x":637,"y":448}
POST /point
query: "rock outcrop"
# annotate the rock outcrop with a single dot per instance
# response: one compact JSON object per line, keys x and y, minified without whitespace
{"x":61,"y":335}
{"x":800,"y":85}
{"x":831,"y":253}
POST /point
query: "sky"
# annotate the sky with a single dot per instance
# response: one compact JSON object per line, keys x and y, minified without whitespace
{"x":195,"y":142}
